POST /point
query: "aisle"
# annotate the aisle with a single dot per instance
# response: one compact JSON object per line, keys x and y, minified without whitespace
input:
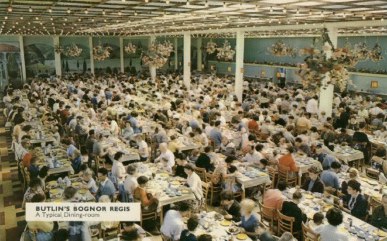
{"x":12,"y":220}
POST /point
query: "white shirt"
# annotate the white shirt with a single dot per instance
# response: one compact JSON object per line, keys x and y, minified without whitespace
{"x":114,"y":129}
{"x":253,"y":158}
{"x":130,"y":183}
{"x":195,"y":184}
{"x":92,"y":185}
{"x":173,"y":225}
{"x":118,"y":169}
{"x":329,"y":233}
{"x":169,"y":156}
{"x":312,"y":106}
{"x":143,"y":149}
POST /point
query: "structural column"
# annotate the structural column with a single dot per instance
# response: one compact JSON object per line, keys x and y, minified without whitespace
{"x":176,"y":56}
{"x":199,"y":54}
{"x":91,"y":55}
{"x":22,"y":59}
{"x":187,"y":60}
{"x":58,"y":60}
{"x":326,"y":91}
{"x":151,"y":40}
{"x":122,"y":55}
{"x":239,"y":49}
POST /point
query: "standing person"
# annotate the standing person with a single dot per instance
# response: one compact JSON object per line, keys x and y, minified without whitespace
{"x":89,"y":147}
{"x":312,"y":105}
{"x":194,"y":182}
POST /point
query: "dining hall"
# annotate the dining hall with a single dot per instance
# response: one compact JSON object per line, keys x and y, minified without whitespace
{"x":256,"y":120}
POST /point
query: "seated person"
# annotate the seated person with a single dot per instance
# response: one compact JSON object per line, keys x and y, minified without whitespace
{"x":187,"y":234}
{"x":355,"y":202}
{"x":291,"y":209}
{"x":76,"y":160}
{"x":330,"y":178}
{"x":179,"y":168}
{"x":249,"y":219}
{"x":353,"y":175}
{"x":173,"y":224}
{"x":148,"y":202}
{"x":131,"y":235}
{"x":34,"y":168}
{"x":262,"y":165}
{"x":106,"y":187}
{"x":317,"y":221}
{"x":204,"y":160}
{"x":379,"y":215}
{"x":205,"y":237}
{"x":331,"y":231}
{"x":273,"y":198}
{"x":231,"y":206}
{"x":129,"y":226}
{"x":313,"y":182}
{"x":35,"y":187}
{"x":88,"y":181}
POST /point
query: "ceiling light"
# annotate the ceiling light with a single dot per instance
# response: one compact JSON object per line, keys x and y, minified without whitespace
{"x":51,"y":19}
{"x":256,"y":7}
{"x":50,"y":10}
{"x":21,"y":18}
{"x":382,"y":19}
{"x":364,"y":17}
{"x":123,"y":1}
{"x":68,"y":11}
{"x":167,"y":1}
{"x":86,"y":12}
{"x":103,"y":12}
{"x":284,"y":10}
{"x":271,"y":9}
{"x":79,"y":19}
{"x":373,"y":18}
{"x":5,"y":17}
{"x":146,"y":1}
{"x":30,"y":10}
{"x":36,"y":18}
{"x":9,"y":9}
{"x":224,"y":4}
{"x":187,"y":2}
{"x":135,"y":13}
{"x":206,"y":4}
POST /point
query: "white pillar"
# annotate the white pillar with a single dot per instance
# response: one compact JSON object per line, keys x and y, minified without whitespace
{"x":176,"y":57}
{"x":91,"y":55}
{"x":326,"y":91}
{"x":187,"y":60}
{"x":151,"y":39}
{"x":239,"y":49}
{"x":199,"y":54}
{"x":122,"y":55}
{"x":58,"y":63}
{"x":22,"y":59}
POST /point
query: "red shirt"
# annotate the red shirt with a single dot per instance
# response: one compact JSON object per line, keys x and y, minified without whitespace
{"x":288,"y":161}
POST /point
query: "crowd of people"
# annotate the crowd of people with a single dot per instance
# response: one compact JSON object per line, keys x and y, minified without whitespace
{"x":82,"y":112}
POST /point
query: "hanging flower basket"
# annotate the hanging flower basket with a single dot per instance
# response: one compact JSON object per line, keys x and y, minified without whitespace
{"x":101,"y":53}
{"x":226,"y":53}
{"x":157,"y":54}
{"x":130,"y":48}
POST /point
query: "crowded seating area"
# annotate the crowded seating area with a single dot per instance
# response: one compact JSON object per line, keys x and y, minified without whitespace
{"x":203,"y":165}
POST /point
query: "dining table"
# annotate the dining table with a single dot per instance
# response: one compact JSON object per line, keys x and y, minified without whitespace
{"x":355,"y":229}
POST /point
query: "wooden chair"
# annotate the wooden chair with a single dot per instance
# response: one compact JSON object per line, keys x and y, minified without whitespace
{"x":284,"y":174}
{"x":268,"y":216}
{"x":114,"y":231}
{"x":205,"y":189}
{"x":372,"y":173}
{"x":215,"y":190}
{"x":309,"y":234}
{"x":202,"y":173}
{"x":273,"y":174}
{"x":285,"y":224}
{"x":230,"y":181}
{"x":149,"y":216}
{"x":372,"y":204}
{"x":23,"y":176}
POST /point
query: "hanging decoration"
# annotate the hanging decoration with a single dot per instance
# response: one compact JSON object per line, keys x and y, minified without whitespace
{"x":73,"y":51}
{"x":376,"y":53}
{"x":130,"y":48}
{"x":226,"y":53}
{"x":321,"y":68}
{"x":361,"y":51}
{"x":211,"y":47}
{"x":58,"y":49}
{"x":101,"y":53}
{"x":280,"y":49}
{"x":157,"y":54}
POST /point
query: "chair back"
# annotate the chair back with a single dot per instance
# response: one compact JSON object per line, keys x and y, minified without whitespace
{"x":286,"y":175}
{"x":268,"y":215}
{"x":285,"y":223}
{"x":309,"y":234}
{"x":202,"y":173}
{"x":205,"y":189}
{"x":273,"y":174}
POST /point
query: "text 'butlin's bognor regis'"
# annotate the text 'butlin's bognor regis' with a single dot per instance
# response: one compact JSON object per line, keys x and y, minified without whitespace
{"x":80,"y":209}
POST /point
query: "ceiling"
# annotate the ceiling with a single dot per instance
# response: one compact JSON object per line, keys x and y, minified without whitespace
{"x":146,"y":17}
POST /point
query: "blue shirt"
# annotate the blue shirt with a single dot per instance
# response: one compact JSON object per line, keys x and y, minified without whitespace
{"x":330,"y":179}
{"x":216,"y":136}
{"x":310,"y":186}
{"x":250,"y":224}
